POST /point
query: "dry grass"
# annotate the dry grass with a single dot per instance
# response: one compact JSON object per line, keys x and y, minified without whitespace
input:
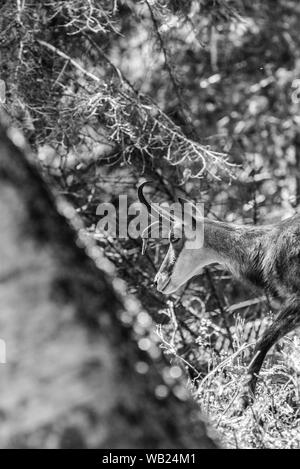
{"x":273,"y":420}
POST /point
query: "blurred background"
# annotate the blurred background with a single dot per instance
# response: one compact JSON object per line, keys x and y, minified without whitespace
{"x":202,"y":97}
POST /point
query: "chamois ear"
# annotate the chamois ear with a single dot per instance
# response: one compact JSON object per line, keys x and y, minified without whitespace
{"x":181,"y":201}
{"x":191,"y":213}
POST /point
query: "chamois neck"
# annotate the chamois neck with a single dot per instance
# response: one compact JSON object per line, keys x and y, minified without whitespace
{"x":235,"y":246}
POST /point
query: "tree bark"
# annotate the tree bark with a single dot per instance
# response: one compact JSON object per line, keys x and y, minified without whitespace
{"x":70,"y":379}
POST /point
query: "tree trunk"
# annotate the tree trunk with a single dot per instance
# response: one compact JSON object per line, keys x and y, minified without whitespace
{"x":70,"y":379}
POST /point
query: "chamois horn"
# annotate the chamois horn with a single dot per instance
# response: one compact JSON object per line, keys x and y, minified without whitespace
{"x":141,"y":196}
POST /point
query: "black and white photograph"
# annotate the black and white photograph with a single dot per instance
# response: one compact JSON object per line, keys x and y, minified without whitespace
{"x":150,"y":228}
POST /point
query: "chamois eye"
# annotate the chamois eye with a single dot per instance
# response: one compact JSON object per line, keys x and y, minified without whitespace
{"x":173,"y":238}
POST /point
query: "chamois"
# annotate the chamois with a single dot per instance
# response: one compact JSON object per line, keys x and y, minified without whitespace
{"x":267,"y":257}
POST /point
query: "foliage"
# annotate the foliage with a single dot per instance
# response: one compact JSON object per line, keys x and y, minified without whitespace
{"x":202,"y":97}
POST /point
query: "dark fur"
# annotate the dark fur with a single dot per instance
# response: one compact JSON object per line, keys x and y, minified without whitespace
{"x":269,"y":258}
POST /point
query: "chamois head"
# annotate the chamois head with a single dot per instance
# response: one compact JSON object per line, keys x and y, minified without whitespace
{"x":187,"y":253}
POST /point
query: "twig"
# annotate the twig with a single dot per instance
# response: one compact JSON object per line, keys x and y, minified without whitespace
{"x":222,"y":364}
{"x":116,"y":69}
{"x":186,"y":118}
{"x":67,"y":57}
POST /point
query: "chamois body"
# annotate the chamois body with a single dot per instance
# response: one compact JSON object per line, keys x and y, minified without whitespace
{"x":268,"y":256}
